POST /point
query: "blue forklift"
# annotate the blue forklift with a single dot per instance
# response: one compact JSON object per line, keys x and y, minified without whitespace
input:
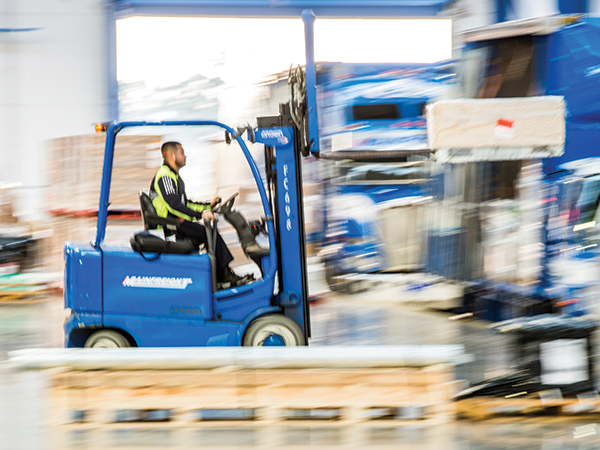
{"x":158,"y":292}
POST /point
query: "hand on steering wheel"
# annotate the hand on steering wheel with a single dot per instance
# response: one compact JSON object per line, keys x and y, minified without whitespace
{"x":226,"y":205}
{"x":208,"y":214}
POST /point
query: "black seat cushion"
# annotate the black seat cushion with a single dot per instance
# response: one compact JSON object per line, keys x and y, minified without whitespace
{"x":146,"y":242}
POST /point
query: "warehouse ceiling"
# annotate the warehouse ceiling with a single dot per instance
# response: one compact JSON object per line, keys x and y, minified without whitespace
{"x":281,"y":8}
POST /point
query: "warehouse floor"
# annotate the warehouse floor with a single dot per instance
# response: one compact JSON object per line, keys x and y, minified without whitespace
{"x":370,"y":318}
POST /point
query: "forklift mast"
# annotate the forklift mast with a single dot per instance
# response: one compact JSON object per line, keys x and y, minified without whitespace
{"x":283,"y":171}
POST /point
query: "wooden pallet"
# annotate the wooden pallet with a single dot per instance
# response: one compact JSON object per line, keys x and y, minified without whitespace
{"x":485,"y":408}
{"x":21,"y":286}
{"x":256,"y":435}
{"x":187,"y":397}
{"x":18,"y":293}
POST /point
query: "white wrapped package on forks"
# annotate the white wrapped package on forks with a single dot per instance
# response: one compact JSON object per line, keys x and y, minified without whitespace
{"x":500,"y":129}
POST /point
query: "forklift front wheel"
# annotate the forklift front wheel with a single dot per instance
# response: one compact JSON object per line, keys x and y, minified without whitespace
{"x":107,"y":339}
{"x":273,"y":330}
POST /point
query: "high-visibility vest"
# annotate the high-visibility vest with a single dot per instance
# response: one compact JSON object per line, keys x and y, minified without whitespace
{"x":163,"y":209}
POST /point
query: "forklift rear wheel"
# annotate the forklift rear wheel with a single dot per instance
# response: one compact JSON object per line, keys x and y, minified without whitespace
{"x":107,"y":339}
{"x":273,"y":330}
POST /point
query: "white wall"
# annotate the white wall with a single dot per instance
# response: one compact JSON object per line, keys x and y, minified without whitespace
{"x":52,"y":84}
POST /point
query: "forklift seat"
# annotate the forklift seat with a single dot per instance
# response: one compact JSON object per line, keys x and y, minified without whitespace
{"x":149,"y":241}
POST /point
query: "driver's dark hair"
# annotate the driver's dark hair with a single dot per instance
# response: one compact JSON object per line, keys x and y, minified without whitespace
{"x":170,"y":146}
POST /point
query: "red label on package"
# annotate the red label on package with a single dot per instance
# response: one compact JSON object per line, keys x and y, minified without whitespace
{"x":505,"y":123}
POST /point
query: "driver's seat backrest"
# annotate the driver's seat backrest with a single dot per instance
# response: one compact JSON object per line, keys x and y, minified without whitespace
{"x":147,"y":209}
{"x":152,"y":220}
{"x":149,"y":240}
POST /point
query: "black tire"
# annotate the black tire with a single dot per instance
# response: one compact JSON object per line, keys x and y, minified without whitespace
{"x":340,"y":284}
{"x":273,"y":325}
{"x":107,"y":339}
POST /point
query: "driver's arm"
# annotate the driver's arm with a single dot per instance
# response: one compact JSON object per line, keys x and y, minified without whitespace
{"x":203,"y":206}
{"x":199,"y":207}
{"x":207,"y":213}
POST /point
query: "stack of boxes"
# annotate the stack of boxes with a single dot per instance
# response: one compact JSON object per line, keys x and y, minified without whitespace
{"x":75,"y":174}
{"x":6,"y":207}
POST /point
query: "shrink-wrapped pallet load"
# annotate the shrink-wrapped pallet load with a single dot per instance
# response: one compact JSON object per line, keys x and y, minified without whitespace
{"x":470,"y":130}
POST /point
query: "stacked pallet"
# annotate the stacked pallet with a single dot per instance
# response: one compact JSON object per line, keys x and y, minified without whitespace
{"x":260,"y":395}
{"x":263,"y":385}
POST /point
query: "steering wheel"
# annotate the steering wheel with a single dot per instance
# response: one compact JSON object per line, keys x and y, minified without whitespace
{"x":226,"y":205}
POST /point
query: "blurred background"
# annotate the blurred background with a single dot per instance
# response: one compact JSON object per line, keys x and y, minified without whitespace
{"x":404,"y":246}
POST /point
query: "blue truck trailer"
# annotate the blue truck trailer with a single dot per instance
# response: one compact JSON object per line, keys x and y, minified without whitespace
{"x":373,"y":132}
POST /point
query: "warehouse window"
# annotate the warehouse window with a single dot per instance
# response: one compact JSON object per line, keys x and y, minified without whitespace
{"x":384,"y":111}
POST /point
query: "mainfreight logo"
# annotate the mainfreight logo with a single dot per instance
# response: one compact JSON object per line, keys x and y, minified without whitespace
{"x":271,"y":134}
{"x":274,"y":134}
{"x":156,"y":282}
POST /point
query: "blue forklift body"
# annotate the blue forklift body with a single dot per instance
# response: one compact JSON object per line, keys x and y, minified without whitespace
{"x":169,"y":299}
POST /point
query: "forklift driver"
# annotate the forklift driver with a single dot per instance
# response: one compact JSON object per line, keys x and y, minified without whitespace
{"x":167,"y":192}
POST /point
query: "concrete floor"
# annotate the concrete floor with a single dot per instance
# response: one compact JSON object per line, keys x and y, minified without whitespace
{"x":363,"y":319}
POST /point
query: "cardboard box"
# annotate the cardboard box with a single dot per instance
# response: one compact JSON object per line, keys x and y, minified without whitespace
{"x":467,"y":130}
{"x":76,"y":171}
